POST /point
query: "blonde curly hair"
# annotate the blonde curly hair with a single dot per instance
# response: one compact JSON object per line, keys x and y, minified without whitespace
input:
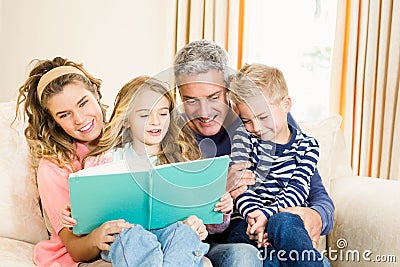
{"x":44,"y":138}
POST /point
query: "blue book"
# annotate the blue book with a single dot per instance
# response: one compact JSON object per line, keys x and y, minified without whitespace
{"x":153,"y":197}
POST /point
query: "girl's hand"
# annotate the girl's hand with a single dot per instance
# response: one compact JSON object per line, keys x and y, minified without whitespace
{"x":197,"y":225}
{"x":103,"y":236}
{"x":65,"y":217}
{"x":226,"y":204}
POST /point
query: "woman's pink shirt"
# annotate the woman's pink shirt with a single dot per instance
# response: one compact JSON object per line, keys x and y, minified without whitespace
{"x":54,"y":193}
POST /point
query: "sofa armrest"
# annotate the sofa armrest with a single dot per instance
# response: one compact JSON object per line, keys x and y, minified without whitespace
{"x":366,"y":220}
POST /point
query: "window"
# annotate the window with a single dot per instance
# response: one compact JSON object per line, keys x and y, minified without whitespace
{"x":296,"y":37}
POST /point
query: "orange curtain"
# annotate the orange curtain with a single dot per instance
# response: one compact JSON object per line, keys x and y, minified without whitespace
{"x":365,"y":84}
{"x":221,"y":21}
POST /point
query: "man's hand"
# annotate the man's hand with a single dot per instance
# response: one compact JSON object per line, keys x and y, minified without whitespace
{"x":256,"y":227}
{"x":239,"y":178}
{"x":311,"y":219}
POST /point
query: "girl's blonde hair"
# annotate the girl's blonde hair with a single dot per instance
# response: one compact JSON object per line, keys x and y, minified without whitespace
{"x":179,"y":143}
{"x":257,"y":78}
{"x":45,"y":139}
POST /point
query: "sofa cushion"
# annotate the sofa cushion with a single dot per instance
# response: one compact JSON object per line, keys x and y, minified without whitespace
{"x":21,"y":217}
{"x":325,"y":131}
{"x":366,"y":221}
{"x":15,"y":253}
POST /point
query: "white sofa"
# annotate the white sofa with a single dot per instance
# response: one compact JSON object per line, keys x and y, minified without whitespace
{"x":365,"y":219}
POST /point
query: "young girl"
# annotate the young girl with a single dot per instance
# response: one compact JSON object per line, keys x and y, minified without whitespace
{"x":65,"y":120}
{"x":145,"y":124}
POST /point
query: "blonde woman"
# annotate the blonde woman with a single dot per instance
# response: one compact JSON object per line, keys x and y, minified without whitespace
{"x":65,"y":121}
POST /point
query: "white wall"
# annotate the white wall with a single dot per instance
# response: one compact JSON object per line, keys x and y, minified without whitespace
{"x":115,"y":40}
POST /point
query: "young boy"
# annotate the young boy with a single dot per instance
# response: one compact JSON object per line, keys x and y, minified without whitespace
{"x":283,"y":158}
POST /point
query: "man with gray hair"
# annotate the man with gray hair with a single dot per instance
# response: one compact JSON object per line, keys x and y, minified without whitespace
{"x":202,"y":77}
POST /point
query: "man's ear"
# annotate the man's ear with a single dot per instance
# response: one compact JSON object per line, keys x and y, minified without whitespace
{"x":286,"y":103}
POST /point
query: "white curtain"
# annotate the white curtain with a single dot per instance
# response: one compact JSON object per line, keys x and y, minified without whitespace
{"x":217,"y":20}
{"x":365,"y":84}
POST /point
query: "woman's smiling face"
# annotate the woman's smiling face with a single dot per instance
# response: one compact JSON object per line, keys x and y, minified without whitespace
{"x":77,"y":110}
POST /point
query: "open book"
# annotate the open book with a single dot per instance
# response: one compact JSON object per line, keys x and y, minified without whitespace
{"x":154,"y":197}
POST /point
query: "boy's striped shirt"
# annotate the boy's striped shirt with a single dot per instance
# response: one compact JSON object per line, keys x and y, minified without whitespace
{"x":283,"y":172}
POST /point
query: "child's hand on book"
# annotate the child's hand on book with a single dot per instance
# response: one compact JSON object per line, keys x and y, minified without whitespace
{"x":226,"y":204}
{"x":256,"y":227}
{"x":65,"y":217}
{"x":197,"y":225}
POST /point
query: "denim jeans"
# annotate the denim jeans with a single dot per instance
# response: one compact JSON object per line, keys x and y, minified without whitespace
{"x":232,"y":255}
{"x":290,"y":242}
{"x":175,"y":245}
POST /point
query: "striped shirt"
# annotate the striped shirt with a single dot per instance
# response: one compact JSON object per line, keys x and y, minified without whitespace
{"x":283,"y":172}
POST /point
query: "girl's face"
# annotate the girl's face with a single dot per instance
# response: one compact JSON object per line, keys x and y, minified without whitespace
{"x":77,"y":111}
{"x":149,"y":122}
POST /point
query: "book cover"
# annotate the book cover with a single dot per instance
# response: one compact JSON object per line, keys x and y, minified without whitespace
{"x":154,"y":197}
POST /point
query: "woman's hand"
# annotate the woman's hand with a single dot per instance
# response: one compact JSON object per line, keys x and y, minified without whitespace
{"x":65,"y":217}
{"x":87,"y":247}
{"x":197,"y":225}
{"x":103,"y":236}
{"x":226,"y":204}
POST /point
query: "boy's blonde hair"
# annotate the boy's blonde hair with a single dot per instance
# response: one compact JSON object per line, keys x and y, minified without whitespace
{"x":257,"y":78}
{"x":178,"y":144}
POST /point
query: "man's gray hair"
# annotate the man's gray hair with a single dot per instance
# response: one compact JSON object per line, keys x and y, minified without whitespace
{"x":200,"y":57}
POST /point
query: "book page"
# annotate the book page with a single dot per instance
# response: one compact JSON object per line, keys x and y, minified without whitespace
{"x":119,"y":166}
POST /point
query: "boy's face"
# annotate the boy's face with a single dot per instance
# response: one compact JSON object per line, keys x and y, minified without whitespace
{"x":205,"y":102}
{"x":266,"y":121}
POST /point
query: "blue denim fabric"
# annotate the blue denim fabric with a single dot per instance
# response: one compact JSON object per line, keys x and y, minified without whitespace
{"x":289,"y":241}
{"x":232,"y":255}
{"x":326,"y":262}
{"x":175,"y":245}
